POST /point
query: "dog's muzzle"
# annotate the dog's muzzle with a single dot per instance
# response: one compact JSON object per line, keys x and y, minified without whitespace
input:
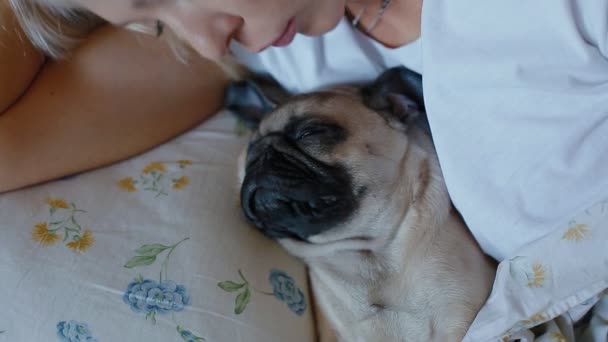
{"x":288,"y":194}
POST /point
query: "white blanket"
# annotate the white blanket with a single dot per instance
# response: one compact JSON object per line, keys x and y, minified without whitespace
{"x":556,"y":279}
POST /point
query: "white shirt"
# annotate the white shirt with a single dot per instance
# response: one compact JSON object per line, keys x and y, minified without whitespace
{"x":517,"y":98}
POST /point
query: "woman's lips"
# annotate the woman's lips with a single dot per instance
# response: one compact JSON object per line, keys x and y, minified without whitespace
{"x":288,"y":35}
{"x":284,"y":39}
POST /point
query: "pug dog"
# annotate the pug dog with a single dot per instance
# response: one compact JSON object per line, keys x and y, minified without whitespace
{"x":347,"y":180}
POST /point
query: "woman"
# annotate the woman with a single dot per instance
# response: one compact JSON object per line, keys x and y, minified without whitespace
{"x":105,"y":132}
{"x":82,"y":101}
{"x":516,"y":94}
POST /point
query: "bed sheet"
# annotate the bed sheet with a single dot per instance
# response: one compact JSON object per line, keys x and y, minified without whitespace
{"x":156,"y":249}
{"x":151,"y":249}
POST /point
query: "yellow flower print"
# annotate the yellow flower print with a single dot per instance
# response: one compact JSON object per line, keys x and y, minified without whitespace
{"x":538,"y":276}
{"x":181,"y":183}
{"x":81,"y":243}
{"x":576,"y":233}
{"x":57,"y":203}
{"x":155,"y":166}
{"x":557,"y":337}
{"x":127,"y":184}
{"x":63,"y":224}
{"x":535,"y":320}
{"x":524,"y":324}
{"x":158,"y":178}
{"x":41,"y":234}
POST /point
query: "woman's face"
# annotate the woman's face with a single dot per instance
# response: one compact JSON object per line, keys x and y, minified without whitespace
{"x":209,"y":25}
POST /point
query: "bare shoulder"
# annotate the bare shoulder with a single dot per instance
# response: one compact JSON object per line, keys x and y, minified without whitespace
{"x":133,"y":89}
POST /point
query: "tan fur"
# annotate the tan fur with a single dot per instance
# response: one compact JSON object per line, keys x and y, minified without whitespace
{"x":405,"y":267}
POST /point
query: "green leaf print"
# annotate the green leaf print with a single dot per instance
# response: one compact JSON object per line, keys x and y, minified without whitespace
{"x":230,"y":286}
{"x":151,"y":250}
{"x":188,"y":336}
{"x":241,"y":301}
{"x":140,"y":260}
{"x":151,"y":316}
{"x":284,"y":289}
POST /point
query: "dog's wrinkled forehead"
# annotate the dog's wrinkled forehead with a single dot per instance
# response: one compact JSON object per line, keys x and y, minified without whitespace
{"x":396,"y":95}
{"x":331,"y":106}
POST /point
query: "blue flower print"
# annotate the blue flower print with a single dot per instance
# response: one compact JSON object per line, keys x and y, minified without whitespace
{"x":285,"y":289}
{"x":73,"y":331}
{"x":150,"y":297}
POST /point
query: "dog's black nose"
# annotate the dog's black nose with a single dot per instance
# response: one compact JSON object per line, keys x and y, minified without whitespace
{"x":289,"y":194}
{"x":297,"y":214}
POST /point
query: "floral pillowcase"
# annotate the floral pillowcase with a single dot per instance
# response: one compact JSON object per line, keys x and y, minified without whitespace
{"x":152,"y":249}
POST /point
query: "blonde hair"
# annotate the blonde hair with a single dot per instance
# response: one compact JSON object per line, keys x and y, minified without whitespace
{"x":54,"y":26}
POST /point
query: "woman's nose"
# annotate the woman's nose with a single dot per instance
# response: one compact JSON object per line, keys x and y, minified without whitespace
{"x":208,"y":34}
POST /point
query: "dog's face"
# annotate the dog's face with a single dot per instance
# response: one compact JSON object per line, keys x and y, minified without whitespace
{"x":323,"y":166}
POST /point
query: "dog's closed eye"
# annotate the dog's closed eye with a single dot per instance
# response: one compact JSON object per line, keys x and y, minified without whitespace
{"x":315,"y":132}
{"x":311,"y":131}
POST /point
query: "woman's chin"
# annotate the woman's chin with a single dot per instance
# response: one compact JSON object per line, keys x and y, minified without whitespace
{"x":323,"y":24}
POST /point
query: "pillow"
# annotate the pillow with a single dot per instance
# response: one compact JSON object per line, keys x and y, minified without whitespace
{"x":151,"y":249}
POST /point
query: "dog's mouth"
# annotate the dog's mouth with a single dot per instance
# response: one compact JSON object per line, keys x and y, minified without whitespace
{"x":280,"y":216}
{"x":288,"y":194}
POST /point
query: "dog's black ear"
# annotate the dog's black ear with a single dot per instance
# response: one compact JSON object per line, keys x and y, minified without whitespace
{"x":250,"y":100}
{"x":397,"y":95}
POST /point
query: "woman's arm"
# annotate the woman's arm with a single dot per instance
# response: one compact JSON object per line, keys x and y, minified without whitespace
{"x":120,"y":94}
{"x":19,"y":60}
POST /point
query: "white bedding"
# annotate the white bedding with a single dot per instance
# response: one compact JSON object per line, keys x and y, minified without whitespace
{"x":554,"y":280}
{"x":180,"y":235}
{"x":160,"y":241}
